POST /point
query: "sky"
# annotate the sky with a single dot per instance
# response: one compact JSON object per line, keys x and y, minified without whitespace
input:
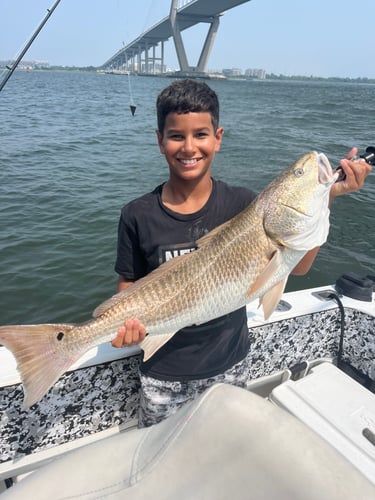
{"x":324,"y":38}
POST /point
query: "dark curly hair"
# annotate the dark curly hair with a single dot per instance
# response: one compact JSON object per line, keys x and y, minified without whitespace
{"x":185,"y":96}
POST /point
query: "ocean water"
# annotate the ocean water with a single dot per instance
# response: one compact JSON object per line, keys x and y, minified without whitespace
{"x":71,"y":154}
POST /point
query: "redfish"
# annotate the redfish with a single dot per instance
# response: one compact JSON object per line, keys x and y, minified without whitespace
{"x":248,"y":257}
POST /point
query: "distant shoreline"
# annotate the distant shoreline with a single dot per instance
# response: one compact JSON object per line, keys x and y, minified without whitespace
{"x":269,"y":76}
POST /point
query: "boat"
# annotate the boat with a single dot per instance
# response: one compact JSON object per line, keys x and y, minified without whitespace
{"x":304,"y":427}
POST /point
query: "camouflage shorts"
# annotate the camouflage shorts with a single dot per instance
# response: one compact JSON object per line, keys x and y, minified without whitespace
{"x":160,"y":398}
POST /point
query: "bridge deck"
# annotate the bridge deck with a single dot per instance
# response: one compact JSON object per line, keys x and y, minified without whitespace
{"x":195,"y":12}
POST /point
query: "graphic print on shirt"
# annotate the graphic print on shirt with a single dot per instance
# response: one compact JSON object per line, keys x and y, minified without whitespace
{"x":196,"y":230}
{"x":168,"y":252}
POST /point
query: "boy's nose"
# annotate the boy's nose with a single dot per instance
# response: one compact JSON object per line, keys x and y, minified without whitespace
{"x":188,"y":145}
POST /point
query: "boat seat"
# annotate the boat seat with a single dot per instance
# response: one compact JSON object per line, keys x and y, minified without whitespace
{"x":229,"y":443}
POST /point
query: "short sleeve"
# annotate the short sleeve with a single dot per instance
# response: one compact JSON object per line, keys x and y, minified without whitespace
{"x":130,"y":263}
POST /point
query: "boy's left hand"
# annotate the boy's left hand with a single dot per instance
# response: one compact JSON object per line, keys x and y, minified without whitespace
{"x":132,"y":332}
{"x":356,"y":172}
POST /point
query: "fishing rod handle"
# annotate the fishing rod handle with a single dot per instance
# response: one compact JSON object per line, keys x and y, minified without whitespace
{"x":368,"y":156}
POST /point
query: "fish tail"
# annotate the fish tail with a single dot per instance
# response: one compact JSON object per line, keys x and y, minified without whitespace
{"x":41,"y":356}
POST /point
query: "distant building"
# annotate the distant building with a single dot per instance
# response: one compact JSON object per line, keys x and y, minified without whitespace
{"x":232,"y":72}
{"x":24,"y":64}
{"x":256,"y":73}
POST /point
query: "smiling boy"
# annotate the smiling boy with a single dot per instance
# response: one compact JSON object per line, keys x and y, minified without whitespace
{"x":166,"y":223}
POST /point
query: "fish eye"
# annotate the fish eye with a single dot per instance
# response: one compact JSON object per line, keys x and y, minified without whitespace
{"x":298,"y":172}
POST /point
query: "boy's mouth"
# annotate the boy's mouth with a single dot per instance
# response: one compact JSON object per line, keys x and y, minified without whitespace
{"x":189,"y":162}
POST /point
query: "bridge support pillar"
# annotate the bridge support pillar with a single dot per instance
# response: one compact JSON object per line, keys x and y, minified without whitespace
{"x":208,"y":44}
{"x":177,"y":38}
{"x":179,"y":44}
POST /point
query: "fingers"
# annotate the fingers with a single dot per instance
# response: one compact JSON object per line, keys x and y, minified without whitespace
{"x":130,"y":333}
{"x":351,"y":153}
{"x":355,"y":171}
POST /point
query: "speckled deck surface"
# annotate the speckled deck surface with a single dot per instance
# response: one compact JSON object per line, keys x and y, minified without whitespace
{"x":93,"y":399}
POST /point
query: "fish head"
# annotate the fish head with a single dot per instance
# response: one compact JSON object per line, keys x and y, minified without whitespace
{"x":295,"y":205}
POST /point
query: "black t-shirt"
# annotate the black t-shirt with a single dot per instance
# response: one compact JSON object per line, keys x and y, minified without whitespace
{"x":149,"y":234}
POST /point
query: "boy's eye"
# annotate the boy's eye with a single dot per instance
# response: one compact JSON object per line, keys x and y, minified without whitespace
{"x":181,"y":137}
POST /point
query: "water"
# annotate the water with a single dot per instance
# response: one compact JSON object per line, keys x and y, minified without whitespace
{"x":71,"y":155}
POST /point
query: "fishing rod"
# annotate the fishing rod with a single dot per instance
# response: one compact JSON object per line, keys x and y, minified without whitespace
{"x":23,"y":52}
{"x":368,"y":156}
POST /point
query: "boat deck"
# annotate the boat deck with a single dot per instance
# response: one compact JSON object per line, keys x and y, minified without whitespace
{"x":100,"y":396}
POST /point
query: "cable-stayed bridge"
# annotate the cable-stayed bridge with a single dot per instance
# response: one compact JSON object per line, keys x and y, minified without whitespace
{"x":145,"y":54}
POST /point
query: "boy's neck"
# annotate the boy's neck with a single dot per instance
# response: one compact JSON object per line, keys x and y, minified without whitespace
{"x":186,"y":198}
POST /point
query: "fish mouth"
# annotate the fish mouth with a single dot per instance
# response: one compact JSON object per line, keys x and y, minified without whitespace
{"x":325,"y":173}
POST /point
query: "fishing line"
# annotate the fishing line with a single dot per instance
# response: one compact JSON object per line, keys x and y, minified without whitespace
{"x":133,"y":107}
{"x":147,"y":20}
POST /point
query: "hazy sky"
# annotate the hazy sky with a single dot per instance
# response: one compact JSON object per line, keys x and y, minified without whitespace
{"x":304,"y":37}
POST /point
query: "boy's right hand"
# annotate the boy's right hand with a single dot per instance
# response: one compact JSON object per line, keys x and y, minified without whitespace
{"x":130,"y":333}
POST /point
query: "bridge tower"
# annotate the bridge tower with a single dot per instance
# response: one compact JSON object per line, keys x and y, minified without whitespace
{"x":214,"y":22}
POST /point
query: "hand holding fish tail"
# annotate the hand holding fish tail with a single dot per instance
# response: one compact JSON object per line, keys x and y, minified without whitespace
{"x":356,"y":171}
{"x":130,"y":333}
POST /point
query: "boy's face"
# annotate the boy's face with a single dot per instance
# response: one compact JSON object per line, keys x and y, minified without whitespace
{"x":189,"y":143}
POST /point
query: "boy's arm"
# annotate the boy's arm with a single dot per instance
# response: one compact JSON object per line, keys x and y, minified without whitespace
{"x":123,"y":283}
{"x":356,"y":172}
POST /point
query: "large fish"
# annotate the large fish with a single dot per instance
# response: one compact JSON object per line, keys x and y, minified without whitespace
{"x":248,"y":257}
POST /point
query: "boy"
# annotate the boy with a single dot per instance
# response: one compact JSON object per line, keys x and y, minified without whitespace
{"x":167,"y":223}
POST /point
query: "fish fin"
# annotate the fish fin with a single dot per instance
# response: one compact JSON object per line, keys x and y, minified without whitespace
{"x":207,"y":238}
{"x":270,"y":299}
{"x":152,"y":343}
{"x":112,"y":301}
{"x":267,"y":274}
{"x":153,"y":275}
{"x":40,"y":355}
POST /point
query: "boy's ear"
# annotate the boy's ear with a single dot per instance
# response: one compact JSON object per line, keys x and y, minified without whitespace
{"x":219,"y":136}
{"x":160,"y":140}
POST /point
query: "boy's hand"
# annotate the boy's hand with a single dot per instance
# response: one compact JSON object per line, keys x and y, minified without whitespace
{"x":356,"y":172}
{"x":130,"y":333}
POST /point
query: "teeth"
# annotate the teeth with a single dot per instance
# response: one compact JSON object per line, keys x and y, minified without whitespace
{"x":188,"y":162}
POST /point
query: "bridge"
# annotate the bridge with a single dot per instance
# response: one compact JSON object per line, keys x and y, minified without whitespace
{"x":145,"y":54}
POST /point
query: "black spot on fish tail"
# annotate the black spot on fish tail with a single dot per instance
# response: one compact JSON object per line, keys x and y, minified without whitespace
{"x":40,"y":355}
